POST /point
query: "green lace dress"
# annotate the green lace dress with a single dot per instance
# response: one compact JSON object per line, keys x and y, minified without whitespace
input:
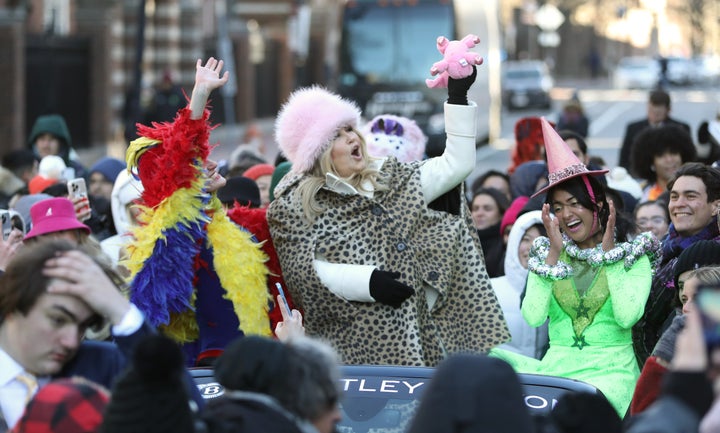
{"x":592,"y":298}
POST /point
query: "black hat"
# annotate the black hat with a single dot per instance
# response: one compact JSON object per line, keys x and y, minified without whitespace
{"x":699,"y":254}
{"x":241,"y":189}
{"x":150,"y":396}
{"x":253,"y":363}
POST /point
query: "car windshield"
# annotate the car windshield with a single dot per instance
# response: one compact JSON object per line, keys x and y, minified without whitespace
{"x":376,"y":415}
{"x":381,"y":44}
{"x":522,"y":74}
{"x":637,"y":64}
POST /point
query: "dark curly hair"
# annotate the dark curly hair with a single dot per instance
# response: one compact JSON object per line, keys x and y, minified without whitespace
{"x":652,"y":142}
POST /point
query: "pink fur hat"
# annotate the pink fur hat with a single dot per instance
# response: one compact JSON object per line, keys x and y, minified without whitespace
{"x":309,"y":121}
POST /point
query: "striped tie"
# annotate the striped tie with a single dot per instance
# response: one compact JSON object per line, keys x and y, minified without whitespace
{"x":30,"y":383}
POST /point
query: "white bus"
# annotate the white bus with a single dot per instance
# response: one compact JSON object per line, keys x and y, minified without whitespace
{"x":386,"y":50}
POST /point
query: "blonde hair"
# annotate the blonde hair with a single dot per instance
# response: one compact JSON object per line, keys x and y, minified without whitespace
{"x":707,"y":275}
{"x":315,"y":179}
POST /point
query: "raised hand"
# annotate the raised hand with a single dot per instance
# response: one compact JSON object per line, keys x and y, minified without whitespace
{"x":552,"y":227}
{"x":608,"y":240}
{"x":207,"y":79}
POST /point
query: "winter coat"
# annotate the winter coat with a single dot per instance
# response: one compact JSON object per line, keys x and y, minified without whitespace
{"x":436,"y":253}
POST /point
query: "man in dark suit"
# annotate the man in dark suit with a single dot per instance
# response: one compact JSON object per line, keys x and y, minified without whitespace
{"x":50,"y":294}
{"x":658,"y":113}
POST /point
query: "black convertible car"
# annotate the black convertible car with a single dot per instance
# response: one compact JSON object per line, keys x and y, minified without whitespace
{"x":384,"y":398}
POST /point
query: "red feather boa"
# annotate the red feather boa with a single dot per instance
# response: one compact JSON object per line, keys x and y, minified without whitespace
{"x":165,"y":168}
{"x":255,"y":221}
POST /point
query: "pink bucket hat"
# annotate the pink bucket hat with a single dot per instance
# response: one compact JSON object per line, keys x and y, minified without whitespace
{"x":308,"y":122}
{"x":562,"y":163}
{"x":54,"y":215}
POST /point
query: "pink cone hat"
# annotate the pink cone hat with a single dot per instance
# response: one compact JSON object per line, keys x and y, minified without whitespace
{"x":561,"y":161}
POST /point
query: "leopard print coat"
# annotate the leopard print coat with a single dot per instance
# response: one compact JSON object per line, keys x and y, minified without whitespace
{"x":394,"y":231}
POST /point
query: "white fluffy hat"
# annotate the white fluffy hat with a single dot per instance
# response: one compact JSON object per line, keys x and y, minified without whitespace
{"x":309,"y":121}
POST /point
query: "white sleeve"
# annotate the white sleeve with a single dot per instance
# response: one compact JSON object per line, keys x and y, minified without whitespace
{"x":440,"y":174}
{"x":130,"y":323}
{"x":350,"y":282}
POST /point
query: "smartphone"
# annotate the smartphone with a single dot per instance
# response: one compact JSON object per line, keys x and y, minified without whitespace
{"x":282,"y":296}
{"x":78,"y":188}
{"x":6,"y":223}
{"x":707,"y":300}
{"x":17,"y":221}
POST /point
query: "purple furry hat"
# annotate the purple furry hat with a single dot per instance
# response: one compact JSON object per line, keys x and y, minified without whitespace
{"x":388,"y":135}
{"x":308,"y":122}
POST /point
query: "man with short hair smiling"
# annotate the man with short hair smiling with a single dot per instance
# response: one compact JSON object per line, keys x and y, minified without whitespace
{"x":694,"y":205}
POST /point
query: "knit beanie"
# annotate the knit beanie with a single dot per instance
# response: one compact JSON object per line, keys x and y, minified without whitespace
{"x":108,"y":167}
{"x":308,"y":122}
{"x":240,"y":189}
{"x":280,"y":171}
{"x":23,"y":205}
{"x":53,"y":124}
{"x":700,"y":253}
{"x":40,"y":183}
{"x":72,"y":405}
{"x":150,"y":396}
{"x":259,"y":170}
{"x":255,"y":364}
{"x":512,"y":212}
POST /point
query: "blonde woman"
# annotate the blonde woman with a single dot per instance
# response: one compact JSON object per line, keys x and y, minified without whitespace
{"x":380,"y":275}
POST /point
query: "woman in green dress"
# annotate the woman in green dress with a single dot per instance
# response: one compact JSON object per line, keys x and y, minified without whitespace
{"x":588,"y":279}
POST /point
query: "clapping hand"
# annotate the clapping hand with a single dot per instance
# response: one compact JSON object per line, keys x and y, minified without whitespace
{"x":552,"y":227}
{"x":608,"y":240}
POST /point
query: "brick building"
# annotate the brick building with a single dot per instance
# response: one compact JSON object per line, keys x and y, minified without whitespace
{"x":79,"y":58}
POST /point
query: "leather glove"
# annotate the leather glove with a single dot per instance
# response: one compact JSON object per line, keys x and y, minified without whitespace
{"x":386,"y":289}
{"x":457,"y":89}
{"x":665,"y":347}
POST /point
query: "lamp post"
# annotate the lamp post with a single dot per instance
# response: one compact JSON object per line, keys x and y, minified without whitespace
{"x":656,"y":8}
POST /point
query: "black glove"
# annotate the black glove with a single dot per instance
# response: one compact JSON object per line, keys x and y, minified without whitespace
{"x":665,"y":347}
{"x":385,"y":288}
{"x":457,"y":89}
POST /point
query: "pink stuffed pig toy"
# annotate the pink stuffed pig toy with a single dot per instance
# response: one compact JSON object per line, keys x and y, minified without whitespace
{"x":457,"y":60}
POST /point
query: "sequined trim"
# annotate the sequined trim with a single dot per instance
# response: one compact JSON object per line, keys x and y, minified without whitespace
{"x":644,"y":244}
{"x":560,"y":175}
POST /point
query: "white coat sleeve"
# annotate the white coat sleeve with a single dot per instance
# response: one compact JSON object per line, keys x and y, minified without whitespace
{"x":440,"y":174}
{"x":349,"y":282}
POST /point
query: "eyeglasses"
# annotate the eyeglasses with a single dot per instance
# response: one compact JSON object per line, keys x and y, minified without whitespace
{"x":656,"y":221}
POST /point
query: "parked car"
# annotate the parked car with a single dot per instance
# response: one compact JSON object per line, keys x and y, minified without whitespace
{"x":680,"y":71}
{"x":526,"y":84}
{"x":636,"y":73}
{"x":384,"y":398}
